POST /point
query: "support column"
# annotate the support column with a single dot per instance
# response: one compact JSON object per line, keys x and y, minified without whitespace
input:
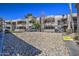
{"x":42,"y":24}
{"x":16,"y":25}
{"x":11,"y":25}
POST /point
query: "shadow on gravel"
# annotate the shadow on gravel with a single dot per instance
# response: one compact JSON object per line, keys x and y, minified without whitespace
{"x":14,"y":46}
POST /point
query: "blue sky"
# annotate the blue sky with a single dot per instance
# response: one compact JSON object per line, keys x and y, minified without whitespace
{"x":15,"y":10}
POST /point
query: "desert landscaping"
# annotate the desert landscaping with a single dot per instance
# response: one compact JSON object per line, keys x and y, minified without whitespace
{"x":35,"y":43}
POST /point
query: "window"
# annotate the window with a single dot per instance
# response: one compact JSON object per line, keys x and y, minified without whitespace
{"x":8,"y":22}
{"x":53,"y":20}
{"x":49,"y":27}
{"x":59,"y":22}
{"x":8,"y":27}
{"x":21,"y":28}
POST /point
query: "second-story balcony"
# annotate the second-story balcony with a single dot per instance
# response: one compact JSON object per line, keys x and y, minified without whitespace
{"x":8,"y":25}
{"x":30,"y":24}
{"x":50,"y":24}
{"x":20,"y":24}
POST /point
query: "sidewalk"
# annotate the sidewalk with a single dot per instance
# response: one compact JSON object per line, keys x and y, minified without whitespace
{"x":71,"y":45}
{"x":73,"y":48}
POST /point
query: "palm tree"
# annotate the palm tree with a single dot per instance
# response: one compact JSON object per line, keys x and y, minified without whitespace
{"x":11,"y":25}
{"x":1,"y":20}
{"x":42,"y":16}
{"x":27,"y":21}
{"x":29,"y":14}
{"x":72,"y":23}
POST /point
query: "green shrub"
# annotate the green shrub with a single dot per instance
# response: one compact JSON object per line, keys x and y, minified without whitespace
{"x":76,"y":36}
{"x":68,"y":31}
{"x":37,"y":25}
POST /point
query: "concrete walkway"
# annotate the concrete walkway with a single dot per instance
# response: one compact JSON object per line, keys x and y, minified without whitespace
{"x":73,"y":48}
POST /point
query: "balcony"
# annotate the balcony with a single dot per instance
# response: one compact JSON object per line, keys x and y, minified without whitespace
{"x":49,"y":24}
{"x":20,"y":24}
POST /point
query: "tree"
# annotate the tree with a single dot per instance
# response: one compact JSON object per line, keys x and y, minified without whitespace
{"x":29,"y":14}
{"x":32,"y":21}
{"x":36,"y":24}
{"x":27,"y":21}
{"x":1,"y":21}
{"x":72,"y":23}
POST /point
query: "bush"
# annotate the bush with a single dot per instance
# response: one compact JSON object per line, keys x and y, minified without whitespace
{"x":76,"y":36}
{"x":68,"y":31}
{"x":37,"y":25}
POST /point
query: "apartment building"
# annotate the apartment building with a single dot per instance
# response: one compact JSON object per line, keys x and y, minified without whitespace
{"x":54,"y":23}
{"x":19,"y":24}
{"x":58,"y":23}
{"x":16,"y":25}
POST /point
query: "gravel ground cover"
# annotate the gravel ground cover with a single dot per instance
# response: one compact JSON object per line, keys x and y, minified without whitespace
{"x":35,"y":44}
